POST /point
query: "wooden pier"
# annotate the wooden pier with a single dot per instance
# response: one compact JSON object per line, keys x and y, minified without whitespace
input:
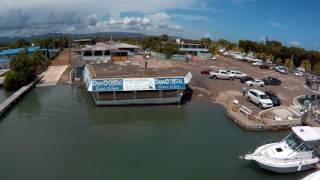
{"x":15,"y":97}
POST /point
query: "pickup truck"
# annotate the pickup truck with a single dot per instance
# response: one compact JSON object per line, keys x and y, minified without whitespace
{"x":221,"y":74}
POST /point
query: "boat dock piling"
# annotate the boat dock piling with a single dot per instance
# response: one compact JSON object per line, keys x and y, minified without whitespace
{"x":15,"y":97}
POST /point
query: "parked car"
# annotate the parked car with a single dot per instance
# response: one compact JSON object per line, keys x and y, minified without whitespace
{"x":205,"y":71}
{"x":281,"y":69}
{"x":238,"y":74}
{"x":274,"y":98}
{"x":272,"y":81}
{"x":213,"y":58}
{"x":255,"y":83}
{"x":257,"y":64}
{"x":259,"y":98}
{"x":265,"y":66}
{"x":221,"y":74}
{"x":246,"y":78}
{"x":299,"y":73}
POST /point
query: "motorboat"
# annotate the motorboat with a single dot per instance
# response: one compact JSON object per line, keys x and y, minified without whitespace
{"x":312,"y":176}
{"x":297,"y":152}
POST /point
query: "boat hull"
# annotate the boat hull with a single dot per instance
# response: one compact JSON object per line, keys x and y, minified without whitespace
{"x":285,"y":169}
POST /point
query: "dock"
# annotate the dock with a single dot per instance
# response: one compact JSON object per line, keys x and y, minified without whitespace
{"x":15,"y":97}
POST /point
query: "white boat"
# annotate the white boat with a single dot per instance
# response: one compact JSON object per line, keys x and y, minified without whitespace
{"x":313,"y":176}
{"x":297,"y":152}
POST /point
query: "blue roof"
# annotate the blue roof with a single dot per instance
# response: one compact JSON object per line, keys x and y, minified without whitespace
{"x":10,"y":52}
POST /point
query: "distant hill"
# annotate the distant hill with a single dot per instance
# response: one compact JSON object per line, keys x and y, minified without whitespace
{"x":105,"y":35}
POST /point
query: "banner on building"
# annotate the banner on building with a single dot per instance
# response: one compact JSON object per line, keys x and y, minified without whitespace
{"x":138,"y":84}
{"x":107,"y":85}
{"x":169,"y":83}
{"x":134,"y":84}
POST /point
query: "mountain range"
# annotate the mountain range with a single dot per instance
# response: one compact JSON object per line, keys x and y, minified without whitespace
{"x":106,"y":35}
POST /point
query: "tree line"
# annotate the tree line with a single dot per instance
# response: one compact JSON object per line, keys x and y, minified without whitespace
{"x":273,"y":51}
{"x":278,"y":53}
{"x":46,"y":42}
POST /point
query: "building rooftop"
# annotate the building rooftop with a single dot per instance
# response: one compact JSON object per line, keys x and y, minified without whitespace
{"x":82,"y":40}
{"x":109,"y":70}
{"x":10,"y":52}
{"x":126,"y":46}
{"x":113,"y":46}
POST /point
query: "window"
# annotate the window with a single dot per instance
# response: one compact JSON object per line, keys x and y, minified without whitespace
{"x":107,"y":53}
{"x":87,"y":53}
{"x":98,"y":53}
{"x":254,"y":94}
{"x":295,"y":144}
{"x":264,"y":97}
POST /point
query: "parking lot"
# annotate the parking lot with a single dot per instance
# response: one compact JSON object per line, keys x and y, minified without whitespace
{"x":210,"y":89}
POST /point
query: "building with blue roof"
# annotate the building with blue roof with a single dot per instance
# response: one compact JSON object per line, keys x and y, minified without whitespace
{"x":5,"y":55}
{"x":13,"y":52}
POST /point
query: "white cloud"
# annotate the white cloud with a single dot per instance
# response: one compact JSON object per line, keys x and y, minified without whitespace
{"x":94,"y":6}
{"x":22,"y":17}
{"x":208,"y":35}
{"x":191,"y":17}
{"x":71,"y":29}
{"x":295,"y":43}
{"x":278,"y":25}
{"x":150,"y":23}
{"x":92,"y":20}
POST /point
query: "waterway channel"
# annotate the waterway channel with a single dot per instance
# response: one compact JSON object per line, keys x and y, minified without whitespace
{"x":58,"y":133}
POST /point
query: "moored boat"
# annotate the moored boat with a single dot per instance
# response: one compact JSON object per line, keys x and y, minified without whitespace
{"x":297,"y":152}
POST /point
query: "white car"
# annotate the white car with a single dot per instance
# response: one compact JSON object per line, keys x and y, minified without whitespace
{"x":221,"y":74}
{"x":255,"y":82}
{"x":238,"y":74}
{"x":259,"y":98}
{"x":299,"y":73}
{"x":257,"y":63}
{"x":281,"y":69}
{"x":213,"y":58}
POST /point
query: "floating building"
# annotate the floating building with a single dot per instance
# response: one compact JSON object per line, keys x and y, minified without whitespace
{"x":129,"y":84}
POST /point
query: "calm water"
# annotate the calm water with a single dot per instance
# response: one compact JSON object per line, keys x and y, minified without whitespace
{"x":57,"y":133}
{"x":3,"y":95}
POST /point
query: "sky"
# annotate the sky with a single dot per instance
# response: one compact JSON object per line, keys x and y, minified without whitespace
{"x":293,"y":22}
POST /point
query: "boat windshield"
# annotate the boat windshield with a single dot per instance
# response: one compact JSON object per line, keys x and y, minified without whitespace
{"x":295,"y":144}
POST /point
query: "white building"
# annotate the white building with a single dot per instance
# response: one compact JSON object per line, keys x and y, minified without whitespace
{"x":193,"y":49}
{"x":102,"y":52}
